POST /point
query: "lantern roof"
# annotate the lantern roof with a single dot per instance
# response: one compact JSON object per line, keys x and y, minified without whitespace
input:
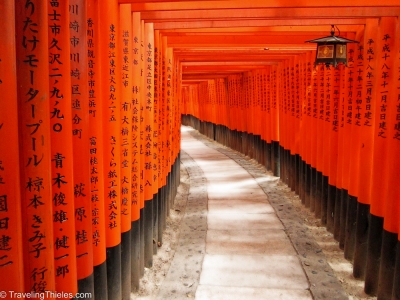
{"x":332,"y":39}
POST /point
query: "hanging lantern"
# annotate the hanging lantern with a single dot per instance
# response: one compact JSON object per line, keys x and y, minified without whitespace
{"x":331,"y":50}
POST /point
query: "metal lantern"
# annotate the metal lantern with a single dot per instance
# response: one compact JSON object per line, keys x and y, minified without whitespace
{"x":331,"y":50}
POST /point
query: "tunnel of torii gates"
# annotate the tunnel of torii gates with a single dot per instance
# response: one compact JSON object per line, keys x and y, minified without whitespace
{"x":93,"y":94}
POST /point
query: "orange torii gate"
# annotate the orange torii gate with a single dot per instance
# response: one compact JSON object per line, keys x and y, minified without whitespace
{"x":335,"y":111}
{"x":92,"y":152}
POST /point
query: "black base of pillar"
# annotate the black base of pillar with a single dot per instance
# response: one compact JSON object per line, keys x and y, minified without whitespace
{"x":148,"y":233}
{"x":86,"y":285}
{"x":141,"y":257}
{"x":351,"y":219}
{"x":337,"y":214}
{"x":268,"y":152}
{"x":297,"y":178}
{"x":135,"y":255}
{"x":302,"y":180}
{"x":343,"y":216}
{"x":313,"y":189}
{"x":155,"y":222}
{"x":126,"y":250}
{"x":161,"y":215}
{"x":324,"y":199}
{"x":276,"y":159}
{"x":388,"y":261}
{"x":330,"y":213}
{"x":396,"y":277}
{"x":374,"y":255}
{"x":114,"y":283}
{"x":361,"y":243}
{"x":100,"y":281}
{"x":307,"y":187}
{"x":318,"y":195}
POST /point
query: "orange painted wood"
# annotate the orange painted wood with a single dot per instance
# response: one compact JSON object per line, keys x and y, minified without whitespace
{"x":287,"y":93}
{"x":137,"y":200}
{"x":308,"y":110}
{"x":11,"y":227}
{"x":340,"y":127}
{"x":259,"y":24}
{"x":80,"y":137}
{"x":96,"y":134}
{"x":166,"y":83}
{"x":349,"y":108}
{"x":321,"y":79}
{"x":156,"y":111}
{"x":283,"y":13}
{"x":296,"y":103}
{"x":392,"y":207}
{"x":258,"y":90}
{"x":158,"y":93}
{"x":110,"y":91}
{"x":148,"y":111}
{"x":354,"y":159}
{"x":314,"y":116}
{"x":267,"y":93}
{"x":370,"y":75}
{"x":125,"y":48}
{"x":61,"y":148}
{"x":327,"y":120}
{"x":142,"y":104}
{"x":386,"y":83}
{"x":275,"y":102}
{"x":335,"y":115}
{"x":178,"y":77}
{"x":302,"y":73}
{"x":32,"y":54}
{"x":240,"y":4}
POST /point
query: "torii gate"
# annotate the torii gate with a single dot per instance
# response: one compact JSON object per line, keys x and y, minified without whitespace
{"x":92,"y":97}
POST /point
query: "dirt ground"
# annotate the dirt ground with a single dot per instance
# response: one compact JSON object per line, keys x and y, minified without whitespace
{"x":343,"y":268}
{"x":153,"y":277}
{"x":334,"y":255}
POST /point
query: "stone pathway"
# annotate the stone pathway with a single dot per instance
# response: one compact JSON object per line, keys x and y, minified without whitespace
{"x":232,"y":243}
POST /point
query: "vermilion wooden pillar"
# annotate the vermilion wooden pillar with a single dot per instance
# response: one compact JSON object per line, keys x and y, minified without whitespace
{"x":158,"y":99}
{"x":11,"y":262}
{"x":303,"y":119}
{"x":313,"y":134}
{"x":80,"y":138}
{"x":376,"y":281}
{"x":275,"y":121}
{"x":362,"y":218}
{"x":61,"y":148}
{"x":125,"y":49}
{"x":328,"y":149}
{"x":322,"y":80}
{"x":148,"y":115}
{"x":336,"y":185}
{"x":283,"y":93}
{"x":34,"y":141}
{"x":295,"y":116}
{"x":137,"y":203}
{"x":111,"y":89}
{"x":336,"y":111}
{"x":155,"y":138}
{"x":308,"y":115}
{"x":387,"y":286}
{"x":168,"y":115}
{"x":392,"y":211}
{"x":96,"y":150}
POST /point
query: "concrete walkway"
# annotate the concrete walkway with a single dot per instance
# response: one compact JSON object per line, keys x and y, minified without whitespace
{"x":232,"y":244}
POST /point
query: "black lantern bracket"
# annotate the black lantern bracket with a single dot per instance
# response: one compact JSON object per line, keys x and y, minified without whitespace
{"x":331,"y":50}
